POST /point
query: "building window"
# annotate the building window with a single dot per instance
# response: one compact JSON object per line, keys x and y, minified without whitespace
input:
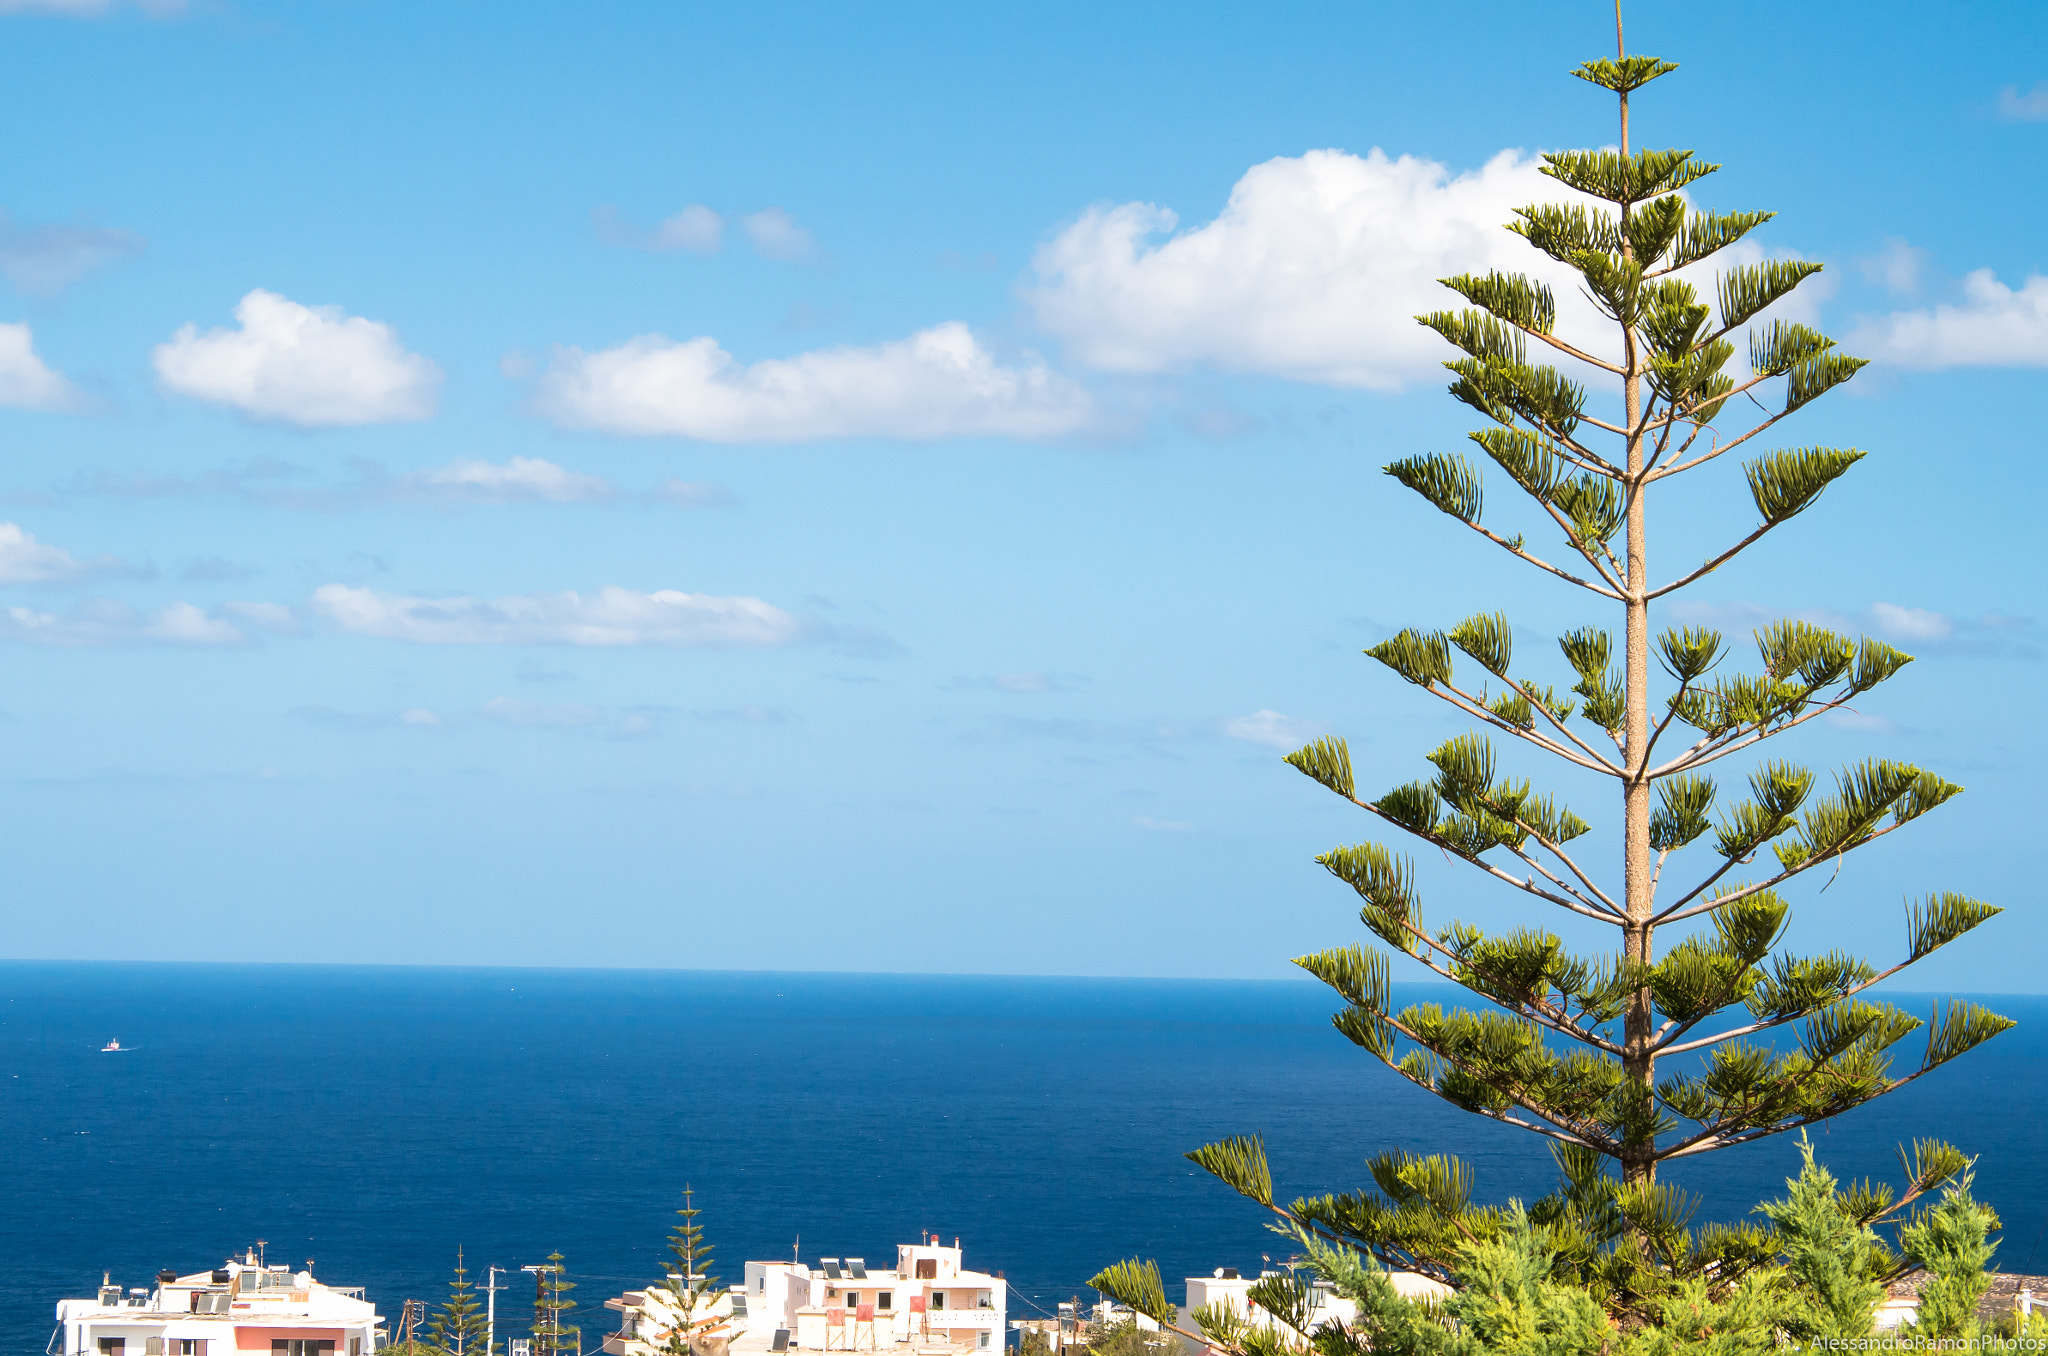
{"x":938,"y":1300}
{"x":355,"y":1347}
{"x":984,"y":1338}
{"x":112,"y":1346}
{"x":188,"y":1346}
{"x":153,"y":1346}
{"x":299,"y":1346}
{"x":852,"y":1299}
{"x":927,"y":1268}
{"x":885,"y":1299}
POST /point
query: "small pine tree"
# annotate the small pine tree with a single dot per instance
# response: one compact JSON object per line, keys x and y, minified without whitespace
{"x":690,"y":1290}
{"x":551,"y":1336}
{"x":1951,"y":1243}
{"x":460,"y":1329}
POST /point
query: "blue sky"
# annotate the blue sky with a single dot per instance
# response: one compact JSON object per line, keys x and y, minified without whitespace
{"x":410,"y":558}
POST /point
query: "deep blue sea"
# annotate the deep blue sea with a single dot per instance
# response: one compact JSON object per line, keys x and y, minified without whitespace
{"x":376,"y":1119}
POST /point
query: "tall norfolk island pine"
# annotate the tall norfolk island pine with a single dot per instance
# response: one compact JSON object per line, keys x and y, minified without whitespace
{"x":1571,"y":1047}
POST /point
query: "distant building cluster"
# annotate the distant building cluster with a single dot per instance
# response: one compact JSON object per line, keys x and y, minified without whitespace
{"x":926,"y":1302}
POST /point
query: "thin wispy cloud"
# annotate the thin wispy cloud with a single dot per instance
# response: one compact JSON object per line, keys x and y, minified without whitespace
{"x":314,"y":366}
{"x":775,"y":235}
{"x":1026,"y":681}
{"x":1917,"y":630}
{"x":2031,"y":106}
{"x":25,"y":560}
{"x":43,"y":260}
{"x":610,"y":617}
{"x":103,"y":622}
{"x":464,"y":481}
{"x":696,"y":229}
{"x":521,"y":478}
{"x":938,"y":383}
{"x":1899,"y":268}
{"x":1273,"y":729}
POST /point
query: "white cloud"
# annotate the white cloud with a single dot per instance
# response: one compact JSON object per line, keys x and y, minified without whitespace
{"x":419,"y":717}
{"x":272,"y":617}
{"x":696,"y":228}
{"x":521,"y":478}
{"x":26,"y":383}
{"x":775,"y":235}
{"x":313,"y":366}
{"x":611,"y":616}
{"x":938,"y":383}
{"x":44,"y":260}
{"x":1994,"y":326}
{"x":2029,"y":107}
{"x":103,"y":623}
{"x":1272,"y":728}
{"x":691,"y":493}
{"x":1314,"y":271}
{"x":24,"y":560}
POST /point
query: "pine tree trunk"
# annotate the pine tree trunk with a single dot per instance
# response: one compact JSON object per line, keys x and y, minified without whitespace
{"x":1639,"y":1063}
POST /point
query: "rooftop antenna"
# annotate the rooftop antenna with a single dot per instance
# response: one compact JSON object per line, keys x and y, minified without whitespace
{"x":261,"y":1244}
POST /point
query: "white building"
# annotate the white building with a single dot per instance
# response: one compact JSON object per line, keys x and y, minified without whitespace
{"x":1227,"y":1289}
{"x":926,"y":1303}
{"x":240,"y":1306}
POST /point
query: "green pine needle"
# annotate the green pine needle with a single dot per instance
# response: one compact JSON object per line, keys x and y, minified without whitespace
{"x":1448,"y":482}
{"x":1327,"y":760}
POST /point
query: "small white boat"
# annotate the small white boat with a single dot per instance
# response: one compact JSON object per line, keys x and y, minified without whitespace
{"x":113,"y":1048}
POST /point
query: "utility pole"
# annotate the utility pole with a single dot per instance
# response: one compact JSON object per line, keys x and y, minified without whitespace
{"x":491,"y":1310}
{"x":547,"y":1343}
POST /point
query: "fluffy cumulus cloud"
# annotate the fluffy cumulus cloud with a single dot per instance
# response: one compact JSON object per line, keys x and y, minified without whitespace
{"x":1272,"y":729}
{"x":26,"y":382}
{"x":611,"y":616}
{"x":1993,"y":326}
{"x":44,"y":260}
{"x":102,"y":622}
{"x":308,"y":365}
{"x":938,"y":383}
{"x":1314,"y":271}
{"x":25,"y":560}
{"x":521,"y":478}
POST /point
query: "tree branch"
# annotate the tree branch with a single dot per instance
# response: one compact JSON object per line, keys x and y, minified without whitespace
{"x":1716,"y":563}
{"x":1541,"y":564}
